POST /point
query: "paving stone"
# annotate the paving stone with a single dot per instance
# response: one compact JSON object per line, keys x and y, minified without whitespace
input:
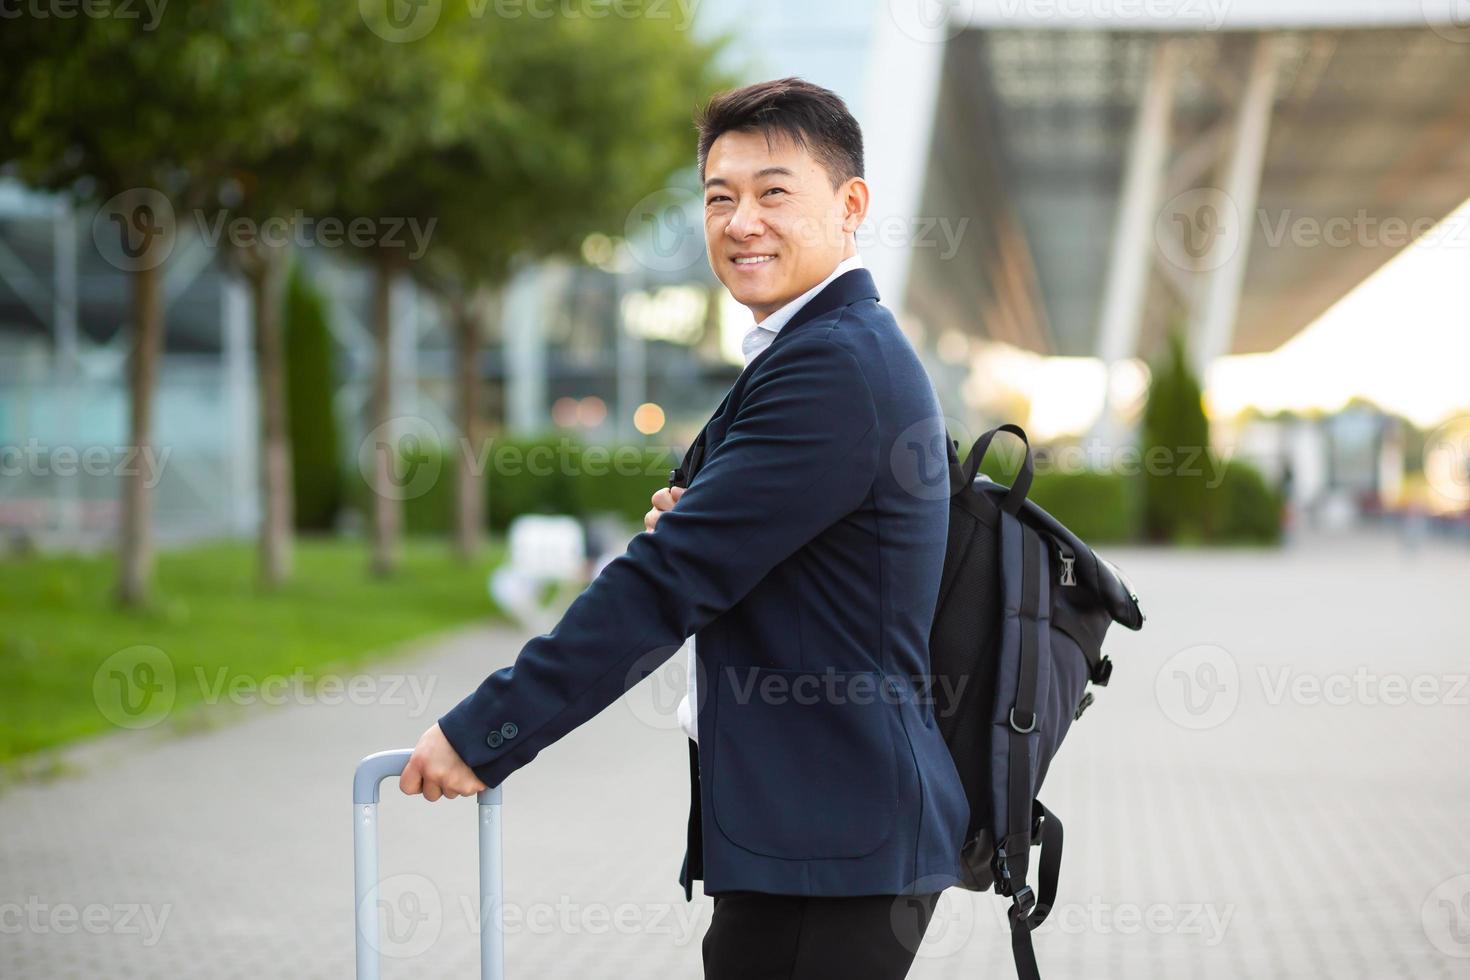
{"x":1245,"y":800}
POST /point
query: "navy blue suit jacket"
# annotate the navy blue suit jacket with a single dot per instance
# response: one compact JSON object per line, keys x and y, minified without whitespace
{"x":806,"y":556}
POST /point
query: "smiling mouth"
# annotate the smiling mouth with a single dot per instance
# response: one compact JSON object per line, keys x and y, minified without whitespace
{"x":754,"y":260}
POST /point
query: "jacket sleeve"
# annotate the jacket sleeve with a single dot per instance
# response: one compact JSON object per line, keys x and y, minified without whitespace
{"x":800,"y":454}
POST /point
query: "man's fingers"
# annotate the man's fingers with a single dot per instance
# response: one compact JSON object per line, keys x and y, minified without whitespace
{"x":667,"y":497}
{"x":432,"y":791}
{"x":411,"y":780}
{"x":663,"y":500}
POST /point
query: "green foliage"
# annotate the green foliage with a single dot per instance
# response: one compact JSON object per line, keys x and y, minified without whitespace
{"x":1094,"y":505}
{"x":100,"y":105}
{"x":56,"y":629}
{"x":1097,"y":507}
{"x":510,"y":135}
{"x":315,"y":457}
{"x":549,"y":474}
{"x":1175,"y":431}
{"x":1243,"y":509}
{"x":560,"y":475}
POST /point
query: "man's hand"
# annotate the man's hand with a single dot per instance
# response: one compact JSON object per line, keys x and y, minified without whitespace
{"x":436,"y":770}
{"x":664,"y":500}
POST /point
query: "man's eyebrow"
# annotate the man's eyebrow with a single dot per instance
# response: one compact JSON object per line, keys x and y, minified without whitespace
{"x":766,"y":172}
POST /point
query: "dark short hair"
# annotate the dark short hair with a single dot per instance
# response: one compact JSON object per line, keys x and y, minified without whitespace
{"x":811,"y":116}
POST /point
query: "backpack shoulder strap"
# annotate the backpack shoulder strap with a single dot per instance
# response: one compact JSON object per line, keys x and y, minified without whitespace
{"x":1026,"y":916}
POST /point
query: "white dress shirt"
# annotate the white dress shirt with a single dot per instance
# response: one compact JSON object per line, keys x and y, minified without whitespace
{"x":756,"y":339}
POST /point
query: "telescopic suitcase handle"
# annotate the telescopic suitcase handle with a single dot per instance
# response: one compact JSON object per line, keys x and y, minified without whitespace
{"x":370,"y":773}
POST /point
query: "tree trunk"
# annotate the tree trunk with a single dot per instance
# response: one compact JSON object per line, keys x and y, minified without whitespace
{"x":135,"y":552}
{"x":470,"y":512}
{"x":267,"y":280}
{"x":387,"y":507}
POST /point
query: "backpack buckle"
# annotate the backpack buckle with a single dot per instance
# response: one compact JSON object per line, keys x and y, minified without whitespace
{"x":1024,"y":902}
{"x":1029,"y":727}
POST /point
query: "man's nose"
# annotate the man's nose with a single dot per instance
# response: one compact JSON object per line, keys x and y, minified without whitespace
{"x":745,"y":221}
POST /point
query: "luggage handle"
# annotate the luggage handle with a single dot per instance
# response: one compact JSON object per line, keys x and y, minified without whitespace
{"x":365,"y":786}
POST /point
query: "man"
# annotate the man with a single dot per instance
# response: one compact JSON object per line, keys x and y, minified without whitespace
{"x":806,"y":561}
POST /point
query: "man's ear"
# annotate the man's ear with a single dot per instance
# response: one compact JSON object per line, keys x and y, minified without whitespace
{"x":855,"y":200}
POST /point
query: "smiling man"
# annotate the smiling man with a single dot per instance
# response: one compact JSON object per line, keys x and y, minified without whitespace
{"x":805,"y":557}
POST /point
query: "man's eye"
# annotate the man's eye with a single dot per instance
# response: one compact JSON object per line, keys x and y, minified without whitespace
{"x":716,"y":199}
{"x":773,"y":190}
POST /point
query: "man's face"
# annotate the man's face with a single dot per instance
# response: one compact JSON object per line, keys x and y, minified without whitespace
{"x":773,"y":224}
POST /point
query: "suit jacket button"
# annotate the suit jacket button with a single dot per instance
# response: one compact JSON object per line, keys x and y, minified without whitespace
{"x":494,"y":739}
{"x":509,"y":729}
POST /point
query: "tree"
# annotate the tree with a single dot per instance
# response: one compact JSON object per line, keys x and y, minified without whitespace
{"x":315,"y":458}
{"x":269,"y":175}
{"x":1175,"y":434}
{"x":147,"y":121}
{"x":578,"y":120}
{"x":506,"y":137}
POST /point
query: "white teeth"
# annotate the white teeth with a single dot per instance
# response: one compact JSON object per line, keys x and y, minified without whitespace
{"x":755,"y":260}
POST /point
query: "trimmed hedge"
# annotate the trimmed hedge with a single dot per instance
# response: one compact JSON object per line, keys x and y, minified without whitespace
{"x":559,"y":475}
{"x":547,"y":475}
{"x":1244,"y":508}
{"x":1101,"y":507}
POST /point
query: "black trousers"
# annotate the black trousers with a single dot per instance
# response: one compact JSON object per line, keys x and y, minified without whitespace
{"x":756,"y":936}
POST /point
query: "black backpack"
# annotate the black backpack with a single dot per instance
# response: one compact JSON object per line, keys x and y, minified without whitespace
{"x":1017,"y":636}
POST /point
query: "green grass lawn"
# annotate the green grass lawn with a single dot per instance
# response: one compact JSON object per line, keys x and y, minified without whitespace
{"x":208,"y":623}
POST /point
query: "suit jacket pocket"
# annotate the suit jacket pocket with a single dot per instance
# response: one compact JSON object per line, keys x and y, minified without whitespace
{"x":804,"y":763}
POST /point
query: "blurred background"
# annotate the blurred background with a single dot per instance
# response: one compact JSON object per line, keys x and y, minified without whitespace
{"x":339,"y":349}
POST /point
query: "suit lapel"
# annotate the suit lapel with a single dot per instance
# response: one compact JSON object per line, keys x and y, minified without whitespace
{"x":848,"y":288}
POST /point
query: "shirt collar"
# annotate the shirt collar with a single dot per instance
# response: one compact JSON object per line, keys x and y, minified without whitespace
{"x":783,"y":316}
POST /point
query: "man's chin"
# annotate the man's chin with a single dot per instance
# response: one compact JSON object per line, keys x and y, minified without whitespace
{"x":767,"y":300}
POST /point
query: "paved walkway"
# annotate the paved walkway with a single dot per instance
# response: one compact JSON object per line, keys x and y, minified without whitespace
{"x":1275,"y":785}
